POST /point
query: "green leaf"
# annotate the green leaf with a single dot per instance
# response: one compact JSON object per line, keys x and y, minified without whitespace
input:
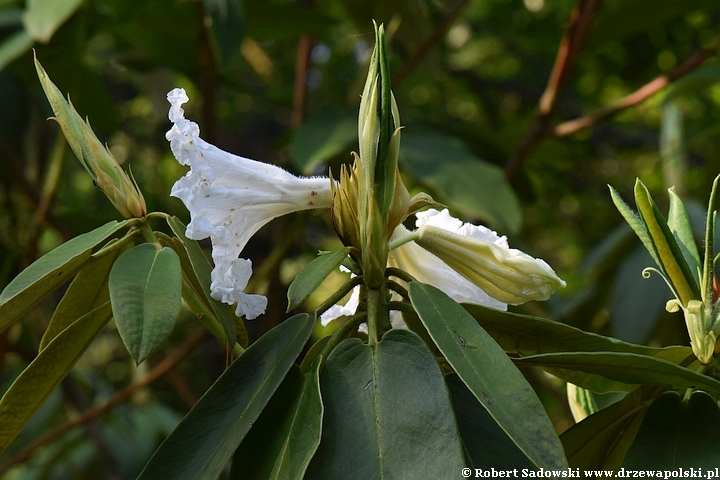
{"x":601,"y":440}
{"x":387,"y":413}
{"x":327,"y":133}
{"x":87,"y":292}
{"x":628,"y":368}
{"x":44,"y":374}
{"x":527,"y":335}
{"x":460,"y":179}
{"x":488,"y":372}
{"x":636,"y":223}
{"x":486,"y":444}
{"x":282,"y":442}
{"x":676,"y":433}
{"x":197,"y":268}
{"x":43,"y":17}
{"x":202,"y":444}
{"x":146,"y":292}
{"x":49,"y":272}
{"x":13,"y":47}
{"x":225,"y":29}
{"x":312,"y":275}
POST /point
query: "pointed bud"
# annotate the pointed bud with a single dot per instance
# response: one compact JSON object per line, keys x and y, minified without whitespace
{"x":94,"y":156}
{"x":506,"y":274}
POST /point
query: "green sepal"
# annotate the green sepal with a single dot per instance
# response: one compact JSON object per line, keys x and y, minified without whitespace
{"x":49,"y":272}
{"x":636,"y":223}
{"x":312,"y":275}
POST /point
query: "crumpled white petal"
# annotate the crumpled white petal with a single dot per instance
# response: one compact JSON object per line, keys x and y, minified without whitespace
{"x":337,"y":311}
{"x":230,"y":198}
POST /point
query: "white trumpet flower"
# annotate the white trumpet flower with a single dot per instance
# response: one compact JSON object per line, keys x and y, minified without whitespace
{"x":485,"y":259}
{"x":230,"y":198}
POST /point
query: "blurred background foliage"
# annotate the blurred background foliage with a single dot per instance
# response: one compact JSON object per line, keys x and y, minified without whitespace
{"x":518,"y":113}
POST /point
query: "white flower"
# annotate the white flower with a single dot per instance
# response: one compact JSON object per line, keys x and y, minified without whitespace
{"x":427,"y":268}
{"x":230,"y":198}
{"x":485,"y":259}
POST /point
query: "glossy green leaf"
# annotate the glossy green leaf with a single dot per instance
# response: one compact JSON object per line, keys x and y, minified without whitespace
{"x":327,"y":133}
{"x":488,"y":372}
{"x":87,"y":292}
{"x":677,"y":433}
{"x":602,"y":440}
{"x":486,"y":444}
{"x":43,"y":17}
{"x":282,"y":442}
{"x":197,"y":268}
{"x":45,"y":372}
{"x":636,"y":223}
{"x":146,"y":293}
{"x":200,"y":447}
{"x":624,"y":367}
{"x":312,"y":275}
{"x":225,"y":29}
{"x":49,"y":272}
{"x":387,"y":413}
{"x":460,"y":179}
{"x":14,"y":46}
{"x":527,"y":335}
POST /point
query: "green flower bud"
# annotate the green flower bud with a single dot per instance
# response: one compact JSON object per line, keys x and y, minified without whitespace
{"x":94,"y":156}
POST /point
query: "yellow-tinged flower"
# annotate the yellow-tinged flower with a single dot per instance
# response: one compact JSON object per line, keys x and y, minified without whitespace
{"x":230,"y":198}
{"x":485,"y":259}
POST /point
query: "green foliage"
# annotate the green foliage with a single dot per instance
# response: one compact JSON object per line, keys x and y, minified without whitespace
{"x":281,"y":82}
{"x":145,"y":289}
{"x":202,"y":444}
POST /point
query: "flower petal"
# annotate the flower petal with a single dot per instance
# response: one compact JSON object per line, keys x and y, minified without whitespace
{"x":230,"y":198}
{"x":427,"y":268}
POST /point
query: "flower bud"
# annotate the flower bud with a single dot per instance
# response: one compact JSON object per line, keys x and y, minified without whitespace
{"x":94,"y":156}
{"x":505,"y":274}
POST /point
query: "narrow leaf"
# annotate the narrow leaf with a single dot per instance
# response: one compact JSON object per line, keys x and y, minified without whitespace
{"x":49,"y":272}
{"x":146,"y":292}
{"x":27,"y":394}
{"x":636,"y":223}
{"x":202,"y":444}
{"x":43,"y":17}
{"x":387,"y":413}
{"x":628,"y":368}
{"x":284,"y":439}
{"x":601,"y":440}
{"x":486,"y":444}
{"x":197,"y":268}
{"x":312,"y":275}
{"x":87,"y":292}
{"x":527,"y":335}
{"x":676,"y":434}
{"x":488,"y":372}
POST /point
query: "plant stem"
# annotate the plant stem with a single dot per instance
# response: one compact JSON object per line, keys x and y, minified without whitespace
{"x":339,"y":294}
{"x":341,"y":333}
{"x":377,"y":312}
